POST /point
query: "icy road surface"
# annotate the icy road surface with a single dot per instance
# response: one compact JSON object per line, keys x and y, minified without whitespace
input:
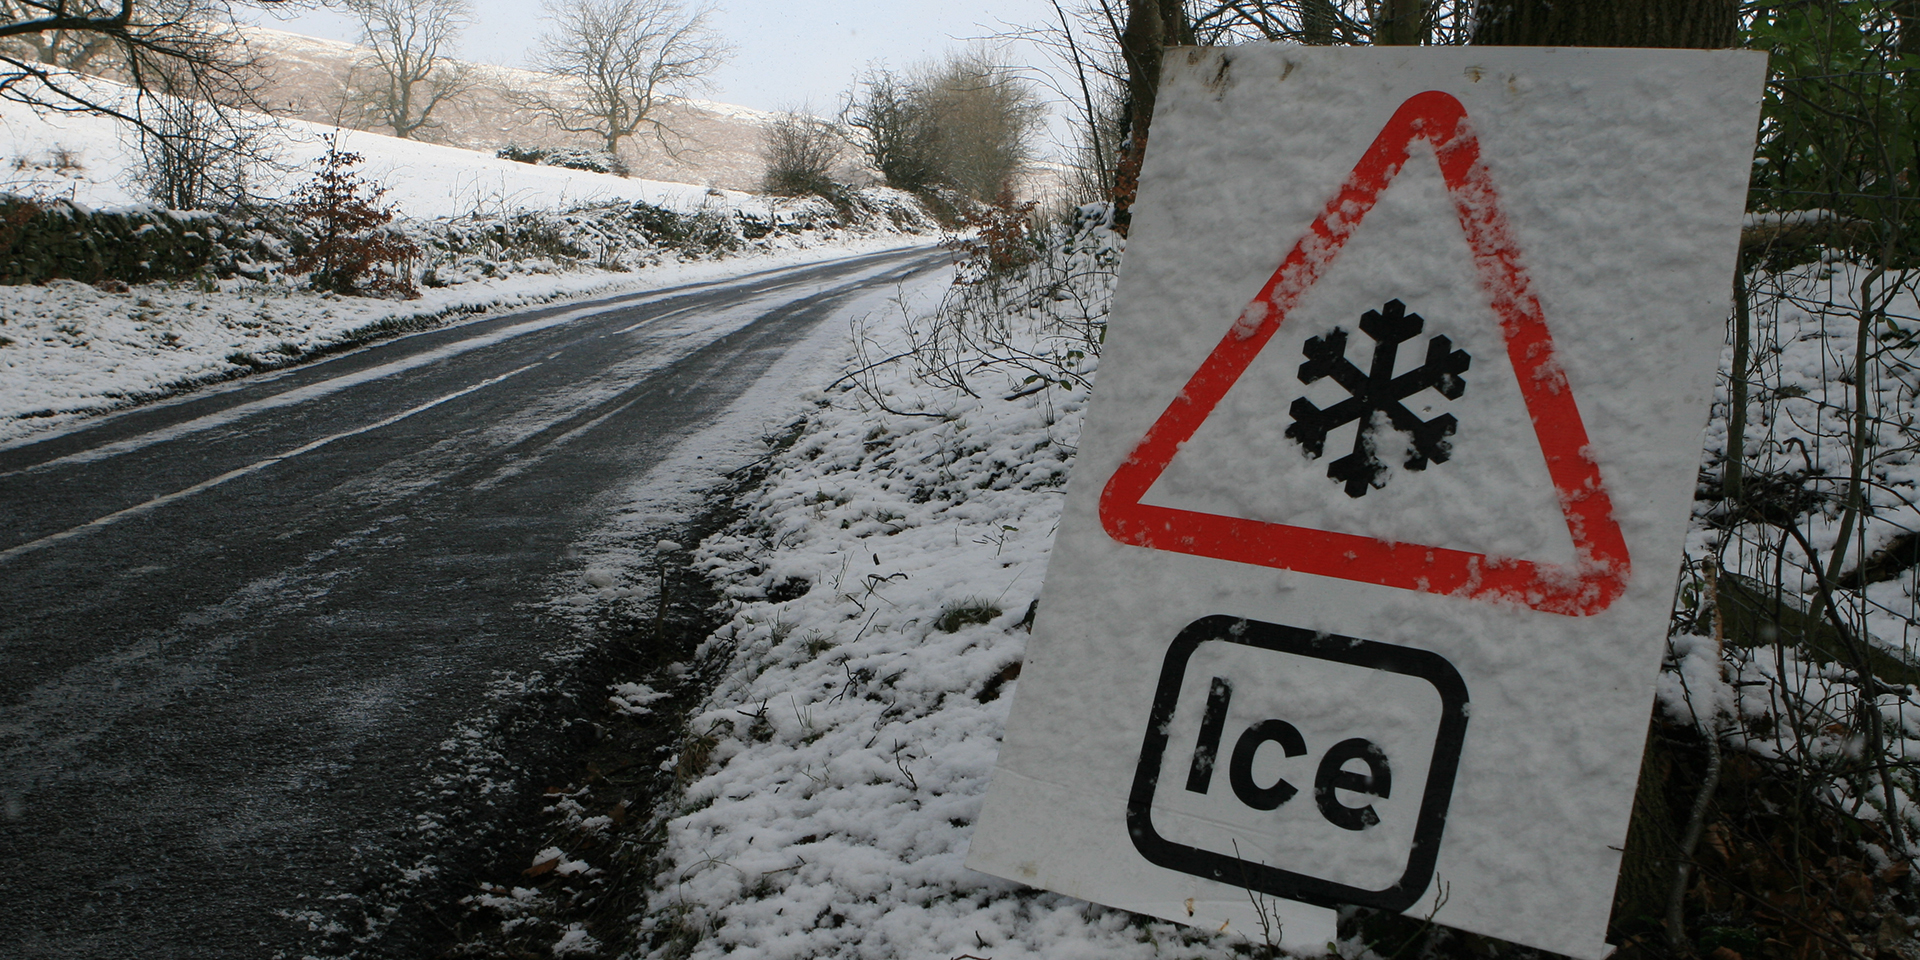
{"x":238,"y":627}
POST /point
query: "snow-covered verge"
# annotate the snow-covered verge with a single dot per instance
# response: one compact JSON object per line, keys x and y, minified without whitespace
{"x":1758,"y":654}
{"x":881,"y":586}
{"x":69,"y":350}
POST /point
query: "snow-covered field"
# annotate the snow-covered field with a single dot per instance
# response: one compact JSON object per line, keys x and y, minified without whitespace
{"x":92,"y":160}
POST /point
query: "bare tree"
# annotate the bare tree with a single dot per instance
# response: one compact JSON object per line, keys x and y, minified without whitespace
{"x":188,"y":45}
{"x":895,"y":130}
{"x":73,"y":49}
{"x":1094,"y":93}
{"x":967,"y":122}
{"x":411,"y":70}
{"x":801,"y":150}
{"x":625,"y":58}
{"x":985,"y":120}
{"x":185,"y":67}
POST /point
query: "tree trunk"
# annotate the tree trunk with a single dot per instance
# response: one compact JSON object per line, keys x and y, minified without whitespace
{"x":1141,"y":43}
{"x":1317,"y":18}
{"x":1400,"y":23}
{"x":1152,"y":26}
{"x":1708,"y":24}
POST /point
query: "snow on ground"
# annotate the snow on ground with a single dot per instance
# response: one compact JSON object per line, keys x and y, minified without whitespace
{"x":880,"y":589}
{"x":1801,"y":417}
{"x":1806,"y":331}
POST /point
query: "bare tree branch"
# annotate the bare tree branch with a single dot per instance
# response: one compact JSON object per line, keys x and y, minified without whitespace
{"x":170,"y":48}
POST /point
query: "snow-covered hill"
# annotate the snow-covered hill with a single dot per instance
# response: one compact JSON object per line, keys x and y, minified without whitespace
{"x":92,"y":160}
{"x":714,"y":144}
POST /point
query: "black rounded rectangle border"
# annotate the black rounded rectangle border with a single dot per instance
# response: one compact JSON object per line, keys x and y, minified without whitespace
{"x":1274,"y":881}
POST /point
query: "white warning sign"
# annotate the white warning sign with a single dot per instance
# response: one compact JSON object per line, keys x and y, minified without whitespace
{"x":1366,"y":564}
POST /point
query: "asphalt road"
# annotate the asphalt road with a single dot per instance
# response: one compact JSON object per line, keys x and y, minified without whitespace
{"x":237,"y":627}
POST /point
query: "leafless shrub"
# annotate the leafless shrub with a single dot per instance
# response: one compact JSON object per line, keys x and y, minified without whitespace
{"x":1016,"y":328}
{"x":195,"y":155}
{"x":801,"y":151}
{"x":986,"y":118}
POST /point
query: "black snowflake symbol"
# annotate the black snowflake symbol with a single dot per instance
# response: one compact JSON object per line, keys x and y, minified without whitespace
{"x":1378,"y":390}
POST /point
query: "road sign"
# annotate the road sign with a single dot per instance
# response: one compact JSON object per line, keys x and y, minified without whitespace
{"x":1602,"y":565}
{"x":1364,"y":572}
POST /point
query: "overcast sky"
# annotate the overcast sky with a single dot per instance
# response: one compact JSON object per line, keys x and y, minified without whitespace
{"x":787,"y":52}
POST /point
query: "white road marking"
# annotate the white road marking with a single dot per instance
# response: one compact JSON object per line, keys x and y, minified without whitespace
{"x":205,"y":485}
{"x":670,"y":313}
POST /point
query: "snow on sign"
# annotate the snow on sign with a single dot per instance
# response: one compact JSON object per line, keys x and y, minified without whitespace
{"x":1364,"y":574}
{"x":1601,"y":563}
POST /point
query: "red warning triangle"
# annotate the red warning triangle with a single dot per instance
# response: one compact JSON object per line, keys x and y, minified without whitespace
{"x":1599,"y":572}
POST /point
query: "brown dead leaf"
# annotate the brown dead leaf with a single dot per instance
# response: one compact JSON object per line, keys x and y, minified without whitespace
{"x":1717,"y":841}
{"x":1855,"y":891}
{"x":542,"y":868}
{"x":1892,"y":933}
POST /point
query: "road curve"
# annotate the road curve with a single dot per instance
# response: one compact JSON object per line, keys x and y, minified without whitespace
{"x":238,"y":626}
